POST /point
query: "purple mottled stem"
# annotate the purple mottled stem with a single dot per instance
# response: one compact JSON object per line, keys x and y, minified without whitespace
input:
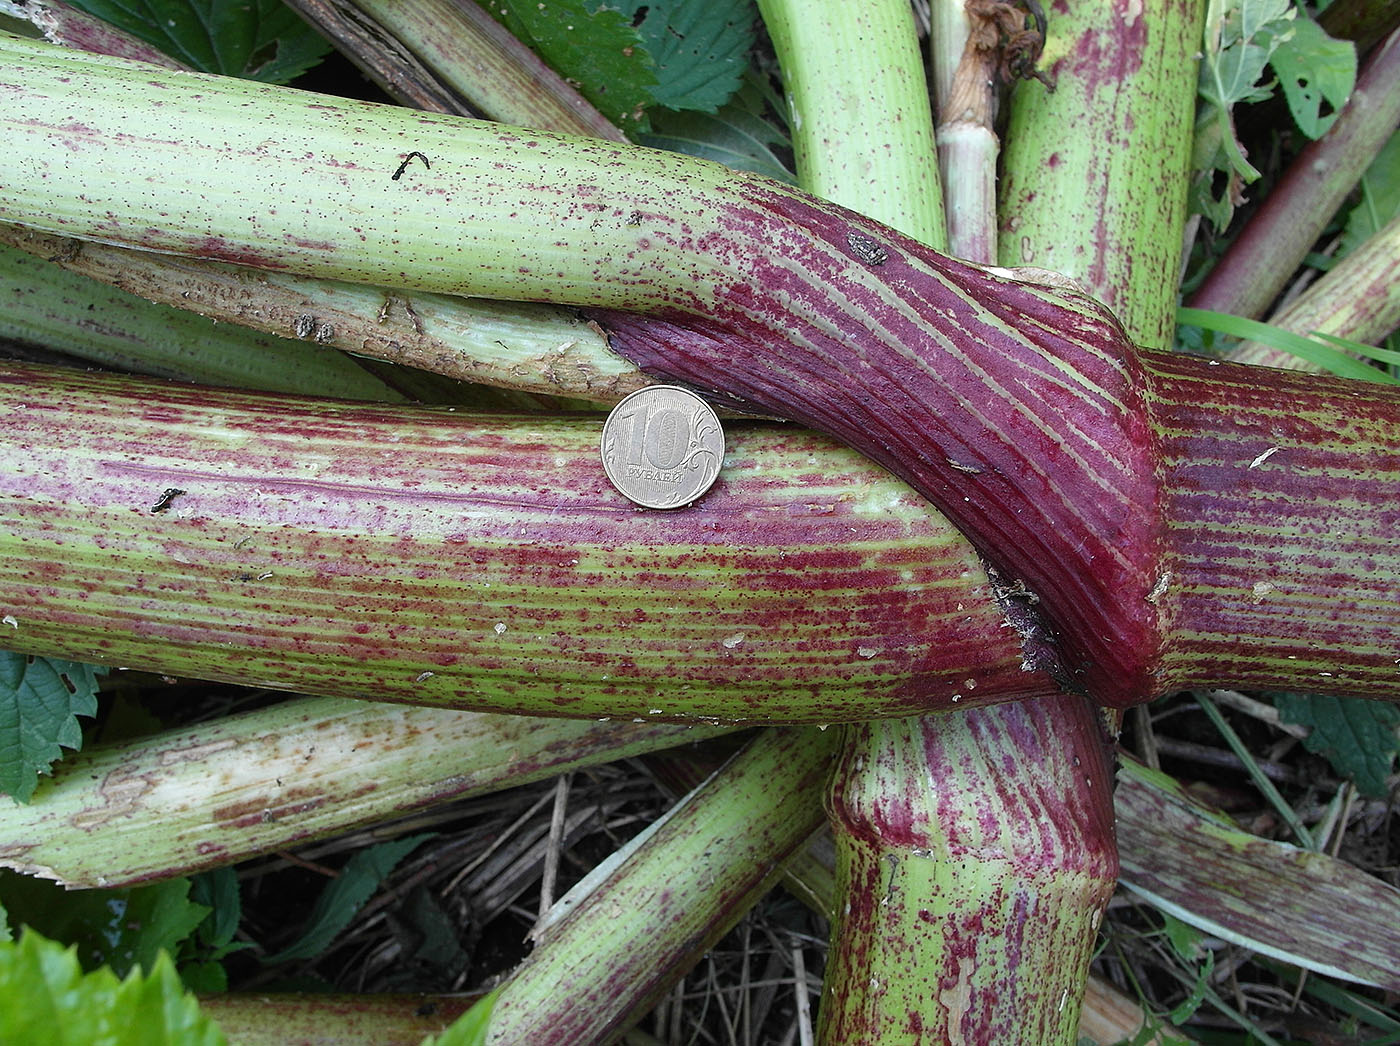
{"x":988,"y":872}
{"x":484,"y":563}
{"x":1019,"y":409}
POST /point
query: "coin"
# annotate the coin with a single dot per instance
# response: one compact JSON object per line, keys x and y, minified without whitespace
{"x":662,"y":446}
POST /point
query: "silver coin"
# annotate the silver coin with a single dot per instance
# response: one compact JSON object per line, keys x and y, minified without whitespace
{"x":662,"y":446}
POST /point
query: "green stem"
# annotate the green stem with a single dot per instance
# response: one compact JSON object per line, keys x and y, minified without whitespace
{"x":383,"y":1019}
{"x":991,"y":873}
{"x":476,"y":58}
{"x":486,"y":563}
{"x":1273,"y":244}
{"x":47,"y":305}
{"x":520,"y":346}
{"x":861,"y":61}
{"x":600,"y":962}
{"x":191,"y":799}
{"x":1106,"y":204}
{"x":1359,"y":298}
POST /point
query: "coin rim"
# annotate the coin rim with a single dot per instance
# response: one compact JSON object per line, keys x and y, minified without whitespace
{"x":603,"y":438}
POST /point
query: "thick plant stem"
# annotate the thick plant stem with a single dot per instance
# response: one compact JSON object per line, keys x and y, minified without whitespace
{"x":1359,"y":298}
{"x":1105,"y":205}
{"x":1263,"y":257}
{"x":511,"y":345}
{"x":861,"y":60}
{"x":429,"y":557}
{"x":991,"y":872}
{"x":599,"y":963}
{"x":478,"y":59}
{"x":1018,"y":408}
{"x":211,"y":795}
{"x":822,"y":307}
{"x":44,"y":304}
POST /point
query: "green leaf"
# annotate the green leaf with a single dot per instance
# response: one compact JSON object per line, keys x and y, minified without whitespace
{"x":256,"y":39}
{"x":700,"y":47}
{"x":1313,"y":68}
{"x":346,"y":894}
{"x":599,"y":51}
{"x":1380,"y":198}
{"x":1185,"y":939}
{"x":470,"y":1028}
{"x":218,"y":891}
{"x":1240,"y":38}
{"x":737,"y":136}
{"x":39,"y":700}
{"x":121,"y":928}
{"x":1319,"y":349}
{"x":62,"y":1006}
{"x":1358,"y":737}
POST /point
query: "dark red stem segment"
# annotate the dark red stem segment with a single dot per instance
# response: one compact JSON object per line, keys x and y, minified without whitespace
{"x":1014,"y":407}
{"x":1281,"y":501}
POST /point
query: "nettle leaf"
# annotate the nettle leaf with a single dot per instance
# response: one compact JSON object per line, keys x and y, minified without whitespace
{"x":1359,"y":738}
{"x":256,"y":39}
{"x":62,"y":1006}
{"x":120,"y":928}
{"x":700,"y":47}
{"x":346,"y":895}
{"x":39,"y":700}
{"x":597,"y":50}
{"x":1312,"y":69}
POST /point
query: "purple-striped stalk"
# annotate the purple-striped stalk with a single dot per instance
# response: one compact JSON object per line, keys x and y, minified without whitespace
{"x":381,"y":1019}
{"x":906,"y":995}
{"x":1074,"y":463}
{"x":989,"y":872}
{"x":600,"y":962}
{"x":511,"y":345}
{"x":1268,"y":250}
{"x":1105,"y":204}
{"x":1358,"y":298}
{"x":211,"y":795}
{"x":432,"y":557}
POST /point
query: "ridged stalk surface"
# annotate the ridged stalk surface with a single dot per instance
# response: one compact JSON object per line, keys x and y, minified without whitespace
{"x":990,"y":872}
{"x":599,"y":962}
{"x":860,"y":61}
{"x":1018,"y":409}
{"x":438,"y":558}
{"x":212,"y":795}
{"x":1104,"y":204}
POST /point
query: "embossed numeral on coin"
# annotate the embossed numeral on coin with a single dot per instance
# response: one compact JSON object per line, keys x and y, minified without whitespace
{"x":662,"y":446}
